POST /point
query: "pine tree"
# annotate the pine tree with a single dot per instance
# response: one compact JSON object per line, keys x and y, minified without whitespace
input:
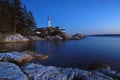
{"x":15,"y":19}
{"x":1,"y":16}
{"x":16,"y":15}
{"x":5,"y":17}
{"x":31,"y":22}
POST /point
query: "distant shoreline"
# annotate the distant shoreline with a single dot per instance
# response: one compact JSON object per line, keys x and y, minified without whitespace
{"x":105,"y":35}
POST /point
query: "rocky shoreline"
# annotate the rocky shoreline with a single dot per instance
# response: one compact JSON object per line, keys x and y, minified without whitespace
{"x":11,"y":70}
{"x":11,"y":38}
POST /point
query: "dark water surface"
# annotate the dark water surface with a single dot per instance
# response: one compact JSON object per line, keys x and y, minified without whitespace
{"x":74,"y":53}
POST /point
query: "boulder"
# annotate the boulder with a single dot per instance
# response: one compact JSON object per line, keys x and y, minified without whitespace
{"x":13,"y":38}
{"x":74,"y":73}
{"x":35,"y":55}
{"x":111,"y":73}
{"x":40,"y":72}
{"x":21,"y":57}
{"x":57,"y":37}
{"x":66,"y":36}
{"x":96,"y":76}
{"x":49,"y":37}
{"x":76,"y":36}
{"x":35,"y":38}
{"x":15,"y":57}
{"x":10,"y":71}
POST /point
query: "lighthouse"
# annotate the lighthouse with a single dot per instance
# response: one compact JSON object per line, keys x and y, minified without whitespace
{"x":49,"y":25}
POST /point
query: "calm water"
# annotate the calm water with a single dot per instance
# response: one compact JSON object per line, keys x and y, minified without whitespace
{"x":74,"y":53}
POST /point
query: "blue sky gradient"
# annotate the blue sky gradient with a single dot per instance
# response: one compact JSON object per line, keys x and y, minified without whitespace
{"x":78,"y":16}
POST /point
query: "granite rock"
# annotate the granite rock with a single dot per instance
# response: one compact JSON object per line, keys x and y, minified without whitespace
{"x":10,"y":71}
{"x":21,"y":57}
{"x":32,"y":38}
{"x":13,"y":38}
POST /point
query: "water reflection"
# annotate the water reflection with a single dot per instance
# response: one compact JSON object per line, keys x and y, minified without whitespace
{"x":72,"y":53}
{"x":16,"y":46}
{"x":46,"y":47}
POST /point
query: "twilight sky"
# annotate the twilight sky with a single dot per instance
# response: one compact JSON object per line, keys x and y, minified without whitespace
{"x":78,"y":16}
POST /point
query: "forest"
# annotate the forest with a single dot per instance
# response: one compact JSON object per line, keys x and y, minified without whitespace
{"x":15,"y":18}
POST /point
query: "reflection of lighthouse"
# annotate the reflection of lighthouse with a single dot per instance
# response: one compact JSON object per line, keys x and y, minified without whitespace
{"x":49,"y":22}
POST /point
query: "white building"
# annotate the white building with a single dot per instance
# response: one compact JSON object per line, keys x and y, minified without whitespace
{"x":49,"y":24}
{"x":63,"y":30}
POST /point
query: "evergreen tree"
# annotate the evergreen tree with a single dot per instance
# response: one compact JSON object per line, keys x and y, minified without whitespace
{"x":17,"y":15}
{"x":1,"y":15}
{"x":15,"y":18}
{"x":5,"y":17}
{"x":30,"y":21}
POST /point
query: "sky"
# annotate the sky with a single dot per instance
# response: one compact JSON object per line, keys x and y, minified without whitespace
{"x":78,"y":16}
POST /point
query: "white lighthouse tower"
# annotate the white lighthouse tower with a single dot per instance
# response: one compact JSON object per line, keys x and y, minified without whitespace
{"x":49,"y":25}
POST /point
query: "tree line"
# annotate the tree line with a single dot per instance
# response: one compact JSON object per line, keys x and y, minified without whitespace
{"x":15,"y":18}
